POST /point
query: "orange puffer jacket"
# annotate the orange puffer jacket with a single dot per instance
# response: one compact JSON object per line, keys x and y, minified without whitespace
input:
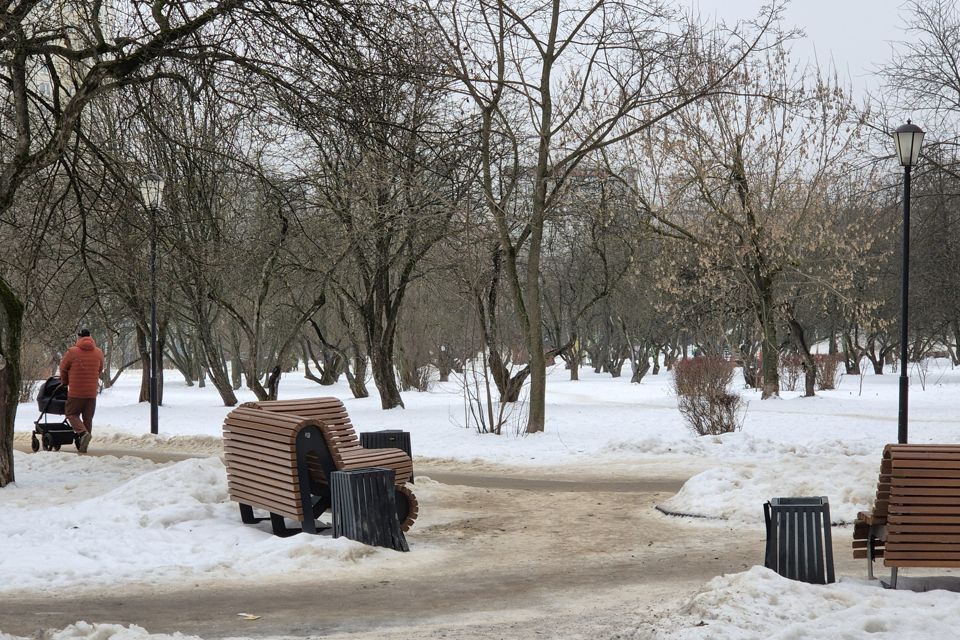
{"x":80,"y":369}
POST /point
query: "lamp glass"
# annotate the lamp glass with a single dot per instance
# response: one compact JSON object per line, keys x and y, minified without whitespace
{"x":908,"y":139}
{"x":151,"y":190}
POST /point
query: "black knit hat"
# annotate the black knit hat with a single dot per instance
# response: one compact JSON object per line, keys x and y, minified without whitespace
{"x":83,"y":333}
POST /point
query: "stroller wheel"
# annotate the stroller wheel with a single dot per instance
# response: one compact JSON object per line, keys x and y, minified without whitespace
{"x":56,"y":447}
{"x":34,"y":443}
{"x":45,"y":438}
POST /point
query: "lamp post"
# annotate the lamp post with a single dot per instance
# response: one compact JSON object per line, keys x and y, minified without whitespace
{"x":151,"y":190}
{"x":908,"y":139}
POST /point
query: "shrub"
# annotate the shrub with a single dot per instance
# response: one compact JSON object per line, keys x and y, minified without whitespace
{"x":791,"y":369}
{"x":828,"y":367}
{"x":702,"y":396}
{"x":35,"y":366}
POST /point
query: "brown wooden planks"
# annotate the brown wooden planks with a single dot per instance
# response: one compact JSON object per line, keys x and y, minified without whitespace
{"x":260,"y":440}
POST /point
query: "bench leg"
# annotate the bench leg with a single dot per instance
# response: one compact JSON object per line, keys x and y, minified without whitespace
{"x":246,"y":515}
{"x":893,"y":577}
{"x":870,"y":558}
{"x":280,"y":527}
{"x":320,"y":504}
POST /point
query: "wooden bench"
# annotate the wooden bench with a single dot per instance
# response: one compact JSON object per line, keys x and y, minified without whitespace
{"x":915,"y":520}
{"x":269,"y":460}
{"x":251,"y":443}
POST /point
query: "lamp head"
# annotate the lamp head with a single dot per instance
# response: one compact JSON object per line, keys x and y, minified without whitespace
{"x":908,"y":139}
{"x":151,"y":190}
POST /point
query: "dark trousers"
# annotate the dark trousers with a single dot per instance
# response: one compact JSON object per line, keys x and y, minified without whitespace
{"x":79,"y":412}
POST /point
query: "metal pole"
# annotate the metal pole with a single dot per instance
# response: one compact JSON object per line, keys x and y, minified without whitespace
{"x":904,"y":295}
{"x":154,"y":416}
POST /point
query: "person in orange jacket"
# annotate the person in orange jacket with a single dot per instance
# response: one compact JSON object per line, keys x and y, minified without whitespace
{"x":80,"y":371}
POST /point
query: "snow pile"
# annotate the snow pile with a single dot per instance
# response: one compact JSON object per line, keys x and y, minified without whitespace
{"x":759,"y":604}
{"x":87,"y":631}
{"x":737,"y":492}
{"x":64,"y":527}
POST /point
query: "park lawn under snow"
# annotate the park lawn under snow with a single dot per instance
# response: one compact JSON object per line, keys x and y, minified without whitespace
{"x":63,"y":506}
{"x":828,"y":445}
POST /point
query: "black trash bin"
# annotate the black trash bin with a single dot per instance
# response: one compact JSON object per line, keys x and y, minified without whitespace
{"x":799,"y":544}
{"x":387,"y":439}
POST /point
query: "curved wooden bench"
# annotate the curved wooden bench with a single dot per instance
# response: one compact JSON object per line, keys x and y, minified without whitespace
{"x":345,"y":449}
{"x":915,"y":521}
{"x":268,"y":458}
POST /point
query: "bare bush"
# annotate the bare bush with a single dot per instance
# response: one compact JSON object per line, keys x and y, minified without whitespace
{"x":702,"y":396}
{"x":481,"y":410}
{"x":36,"y":365}
{"x":828,"y":369}
{"x":791,"y":368}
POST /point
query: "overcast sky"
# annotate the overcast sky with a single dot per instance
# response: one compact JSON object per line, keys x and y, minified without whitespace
{"x":854,"y":34}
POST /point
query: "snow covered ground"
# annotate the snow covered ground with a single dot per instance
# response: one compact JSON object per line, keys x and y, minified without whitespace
{"x":62,"y":508}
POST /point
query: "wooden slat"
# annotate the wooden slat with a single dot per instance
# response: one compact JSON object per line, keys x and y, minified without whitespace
{"x":913,"y":562}
{"x":913,"y":463}
{"x":922,"y":528}
{"x":910,"y":449}
{"x":907,"y":510}
{"x":272,"y":479}
{"x":275,"y":439}
{"x":265,"y":493}
{"x":909,"y":492}
{"x":254,"y":463}
{"x":258,"y":454}
{"x":928,"y":519}
{"x":242,"y":494}
{"x":939,"y":454}
{"x":904,"y":541}
{"x":926,"y":473}
{"x":896,"y":501}
{"x":892,"y":554}
{"x":256,"y":501}
{"x":242,"y":448}
{"x":929,"y":482}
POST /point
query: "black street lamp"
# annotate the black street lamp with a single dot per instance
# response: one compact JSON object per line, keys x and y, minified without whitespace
{"x":908,"y":139}
{"x":151,"y":190}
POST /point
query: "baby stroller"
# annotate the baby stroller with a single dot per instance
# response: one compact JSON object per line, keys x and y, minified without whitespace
{"x":52,"y":399}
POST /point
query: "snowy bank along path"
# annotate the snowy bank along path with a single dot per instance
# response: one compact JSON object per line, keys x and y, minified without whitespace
{"x":550,"y":535}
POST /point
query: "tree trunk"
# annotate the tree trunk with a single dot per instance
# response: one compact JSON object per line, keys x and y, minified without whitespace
{"x":11,"y":336}
{"x":445,"y":362}
{"x":955,"y":353}
{"x":144,"y":349}
{"x":615,"y":367}
{"x":106,"y":378}
{"x":357,"y":379}
{"x":809,"y":365}
{"x":876,"y":358}
{"x":770,"y":354}
{"x":161,"y":341}
{"x":381,"y":366}
{"x":307,"y":372}
{"x":216,"y":366}
{"x":640,"y":367}
{"x":333,"y":363}
{"x":851,"y":355}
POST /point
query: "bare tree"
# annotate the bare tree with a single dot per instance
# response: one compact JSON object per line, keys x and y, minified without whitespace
{"x":560,"y":81}
{"x":57,"y":59}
